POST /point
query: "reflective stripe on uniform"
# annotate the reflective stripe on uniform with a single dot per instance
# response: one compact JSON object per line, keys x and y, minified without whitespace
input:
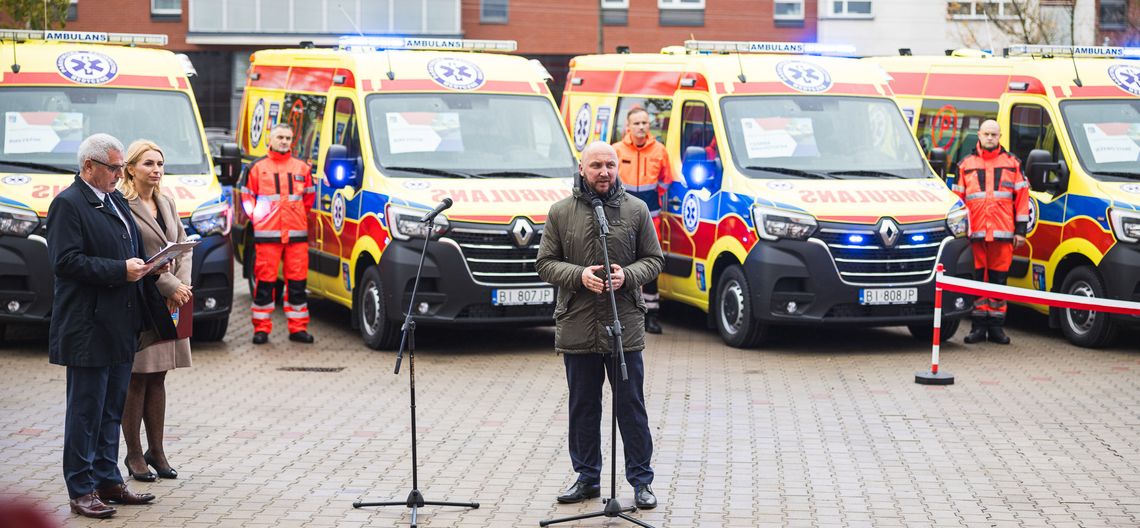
{"x":296,"y":315}
{"x":1006,"y":195}
{"x":640,"y":188}
{"x":268,"y":198}
{"x":1003,"y":234}
{"x":1021,"y":218}
{"x":295,"y":198}
{"x":297,"y":232}
{"x":957,"y":188}
{"x":302,"y":306}
{"x":309,"y":190}
{"x":266,"y":232}
{"x":975,"y":196}
{"x":260,"y":315}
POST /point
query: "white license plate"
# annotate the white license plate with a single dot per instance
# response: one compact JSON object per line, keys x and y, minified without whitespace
{"x":517,"y":296}
{"x":888,"y":296}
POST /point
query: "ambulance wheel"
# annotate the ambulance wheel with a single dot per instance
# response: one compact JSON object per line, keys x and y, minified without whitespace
{"x":733,"y":310}
{"x":1086,"y":328}
{"x":211,"y":329}
{"x":377,"y":331}
{"x":247,"y":268}
{"x":924,"y":332}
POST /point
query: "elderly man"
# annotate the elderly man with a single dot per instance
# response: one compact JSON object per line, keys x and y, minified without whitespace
{"x":101,"y":302}
{"x":570,"y":257}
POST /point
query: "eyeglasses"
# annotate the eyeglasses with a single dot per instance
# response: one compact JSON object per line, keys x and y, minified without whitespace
{"x":112,"y":168}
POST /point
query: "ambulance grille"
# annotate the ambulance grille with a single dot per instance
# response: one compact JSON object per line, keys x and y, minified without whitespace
{"x":873,"y":262}
{"x":495,"y":258}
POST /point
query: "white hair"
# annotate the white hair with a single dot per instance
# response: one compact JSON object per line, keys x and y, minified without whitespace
{"x":97,"y":147}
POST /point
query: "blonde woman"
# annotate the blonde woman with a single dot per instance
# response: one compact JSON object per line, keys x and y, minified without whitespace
{"x":158,"y":222}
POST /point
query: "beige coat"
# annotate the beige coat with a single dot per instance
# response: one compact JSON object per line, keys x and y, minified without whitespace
{"x":163,"y":355}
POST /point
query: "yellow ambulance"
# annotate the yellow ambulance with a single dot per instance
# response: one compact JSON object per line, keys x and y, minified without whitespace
{"x":799,"y":195}
{"x":57,"y":88}
{"x":393,"y":126}
{"x":1072,"y":115}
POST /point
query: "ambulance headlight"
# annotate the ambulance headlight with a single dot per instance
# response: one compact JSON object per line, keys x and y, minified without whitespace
{"x":1125,"y":225}
{"x":958,"y":222}
{"x":212,"y":220}
{"x":18,"y":222}
{"x":404,"y":222}
{"x":774,"y":224}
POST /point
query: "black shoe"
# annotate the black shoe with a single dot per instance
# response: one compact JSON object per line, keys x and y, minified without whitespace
{"x":301,"y":337}
{"x":166,"y":473}
{"x":977,"y":335}
{"x":997,"y":335}
{"x":148,"y":476}
{"x":644,"y":498}
{"x":652,"y":326}
{"x":260,"y":338}
{"x":581,"y":491}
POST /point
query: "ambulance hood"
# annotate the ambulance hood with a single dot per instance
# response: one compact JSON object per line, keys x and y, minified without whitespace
{"x":36,"y":191}
{"x":1122,"y":193}
{"x":491,"y":200}
{"x":858,"y":200}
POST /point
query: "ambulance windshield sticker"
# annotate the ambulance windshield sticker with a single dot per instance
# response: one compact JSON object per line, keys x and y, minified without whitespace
{"x":456,"y":74}
{"x":16,"y":179}
{"x":1114,"y":142}
{"x":40,"y":132}
{"x":257,"y":124}
{"x":779,"y":137}
{"x":1133,"y":188}
{"x":87,"y":67}
{"x":582,"y":127}
{"x":804,"y":76}
{"x":192,"y":181}
{"x":423,"y":132}
{"x":1126,"y":76}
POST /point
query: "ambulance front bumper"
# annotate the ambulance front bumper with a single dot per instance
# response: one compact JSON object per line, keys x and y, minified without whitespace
{"x":212,"y":277}
{"x":1121,"y":271}
{"x":448,"y":294}
{"x":798,"y":282}
{"x":26,"y":280}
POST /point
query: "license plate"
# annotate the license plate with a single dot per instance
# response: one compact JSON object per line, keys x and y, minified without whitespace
{"x":517,"y":296}
{"x":888,"y":296}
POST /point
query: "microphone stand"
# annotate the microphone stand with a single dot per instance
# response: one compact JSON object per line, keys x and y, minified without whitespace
{"x":415,"y":498}
{"x":613,"y":506}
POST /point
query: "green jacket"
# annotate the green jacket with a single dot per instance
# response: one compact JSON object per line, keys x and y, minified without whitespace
{"x":570,"y":243}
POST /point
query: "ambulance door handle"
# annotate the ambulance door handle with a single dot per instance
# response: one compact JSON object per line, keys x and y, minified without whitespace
{"x":674,"y":202}
{"x":326,"y":202}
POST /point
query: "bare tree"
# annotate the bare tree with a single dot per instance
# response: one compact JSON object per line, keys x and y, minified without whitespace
{"x":31,"y":14}
{"x":1019,"y":21}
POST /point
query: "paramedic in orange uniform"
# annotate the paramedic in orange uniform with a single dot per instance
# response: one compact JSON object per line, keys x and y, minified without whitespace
{"x":997,"y":197}
{"x":277,"y":196}
{"x":645,"y":173}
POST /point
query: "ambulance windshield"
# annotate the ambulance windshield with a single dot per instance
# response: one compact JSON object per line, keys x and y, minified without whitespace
{"x":822,"y":137}
{"x":1106,"y":134}
{"x":44,"y":125}
{"x":468,"y":135}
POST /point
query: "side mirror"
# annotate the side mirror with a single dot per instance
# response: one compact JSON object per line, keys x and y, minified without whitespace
{"x":228,"y":161}
{"x":340,"y":170}
{"x":698,"y":171}
{"x":1044,"y":174}
{"x":937,"y":161}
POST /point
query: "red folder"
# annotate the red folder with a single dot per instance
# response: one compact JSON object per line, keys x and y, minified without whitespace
{"x":184,"y":319}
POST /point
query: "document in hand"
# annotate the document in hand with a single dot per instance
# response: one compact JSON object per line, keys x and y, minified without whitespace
{"x":169,"y":253}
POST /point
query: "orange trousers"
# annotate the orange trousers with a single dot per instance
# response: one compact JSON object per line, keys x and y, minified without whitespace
{"x":269,"y":255}
{"x":991,"y":264}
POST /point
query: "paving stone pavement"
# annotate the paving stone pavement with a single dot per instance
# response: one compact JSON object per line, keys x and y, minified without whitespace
{"x":820,"y":428}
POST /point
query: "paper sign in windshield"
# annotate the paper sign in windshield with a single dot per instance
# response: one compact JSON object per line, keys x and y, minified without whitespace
{"x":423,"y":132}
{"x":779,"y":137}
{"x":35,"y":132}
{"x":1114,"y":142}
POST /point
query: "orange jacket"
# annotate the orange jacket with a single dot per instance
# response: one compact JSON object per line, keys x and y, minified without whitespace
{"x":644,"y":170}
{"x":996,"y":194}
{"x":277,"y":196}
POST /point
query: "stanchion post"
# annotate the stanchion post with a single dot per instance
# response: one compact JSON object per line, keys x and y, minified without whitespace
{"x":933,"y":377}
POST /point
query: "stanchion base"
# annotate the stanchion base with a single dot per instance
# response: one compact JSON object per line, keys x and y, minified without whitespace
{"x":931,"y":378}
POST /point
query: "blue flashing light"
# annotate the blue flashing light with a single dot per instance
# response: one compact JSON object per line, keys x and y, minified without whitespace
{"x":855,"y":239}
{"x":340,"y":173}
{"x":697,"y":174}
{"x":916,"y":239}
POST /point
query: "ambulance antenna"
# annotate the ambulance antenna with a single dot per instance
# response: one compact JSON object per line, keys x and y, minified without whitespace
{"x":1076,"y":72}
{"x":740,"y":63}
{"x":350,"y":20}
{"x":391,"y":74}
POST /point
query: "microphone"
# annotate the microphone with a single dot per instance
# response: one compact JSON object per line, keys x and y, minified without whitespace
{"x":446,"y":203}
{"x":600,"y":214}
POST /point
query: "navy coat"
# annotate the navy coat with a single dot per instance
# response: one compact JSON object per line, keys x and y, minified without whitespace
{"x":96,"y":313}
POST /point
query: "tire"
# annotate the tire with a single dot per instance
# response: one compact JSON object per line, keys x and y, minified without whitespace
{"x":925,"y":332}
{"x":377,"y":331}
{"x":211,"y":329}
{"x":1086,"y":328}
{"x":247,"y":268}
{"x":733,"y":311}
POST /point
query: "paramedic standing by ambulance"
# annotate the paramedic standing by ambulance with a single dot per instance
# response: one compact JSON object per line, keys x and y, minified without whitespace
{"x":997,"y":197}
{"x":277,"y":196}
{"x":645,"y":173}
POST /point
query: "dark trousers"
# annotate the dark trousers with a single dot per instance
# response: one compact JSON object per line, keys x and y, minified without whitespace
{"x":95,"y":398}
{"x":585,"y":374}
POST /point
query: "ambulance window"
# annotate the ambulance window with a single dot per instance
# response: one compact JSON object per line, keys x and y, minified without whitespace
{"x":344,"y":130}
{"x":1031,"y":128}
{"x":697,"y":129}
{"x":953,"y":126}
{"x":659,"y":110}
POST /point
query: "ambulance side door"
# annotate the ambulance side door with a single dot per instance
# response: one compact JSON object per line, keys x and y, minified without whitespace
{"x":338,"y":209}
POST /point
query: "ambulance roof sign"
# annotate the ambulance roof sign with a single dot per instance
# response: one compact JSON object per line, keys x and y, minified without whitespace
{"x":1075,"y":51}
{"x":97,"y":37}
{"x":361,"y":43}
{"x":788,"y":48}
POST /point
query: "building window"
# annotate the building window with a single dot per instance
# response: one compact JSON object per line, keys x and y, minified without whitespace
{"x":980,"y":9}
{"x":166,"y":7}
{"x":493,"y":12}
{"x":680,"y":4}
{"x":850,"y":8}
{"x":615,"y":12}
{"x":681,"y":12}
{"x":1113,"y":14}
{"x":73,"y":10}
{"x":615,"y":4}
{"x":789,"y":10}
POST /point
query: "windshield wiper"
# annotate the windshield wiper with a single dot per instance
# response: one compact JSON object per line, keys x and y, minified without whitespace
{"x":39,"y":166}
{"x":874,"y":173}
{"x":435,"y":172}
{"x":1128,"y":175}
{"x":788,"y":171}
{"x":513,"y":174}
